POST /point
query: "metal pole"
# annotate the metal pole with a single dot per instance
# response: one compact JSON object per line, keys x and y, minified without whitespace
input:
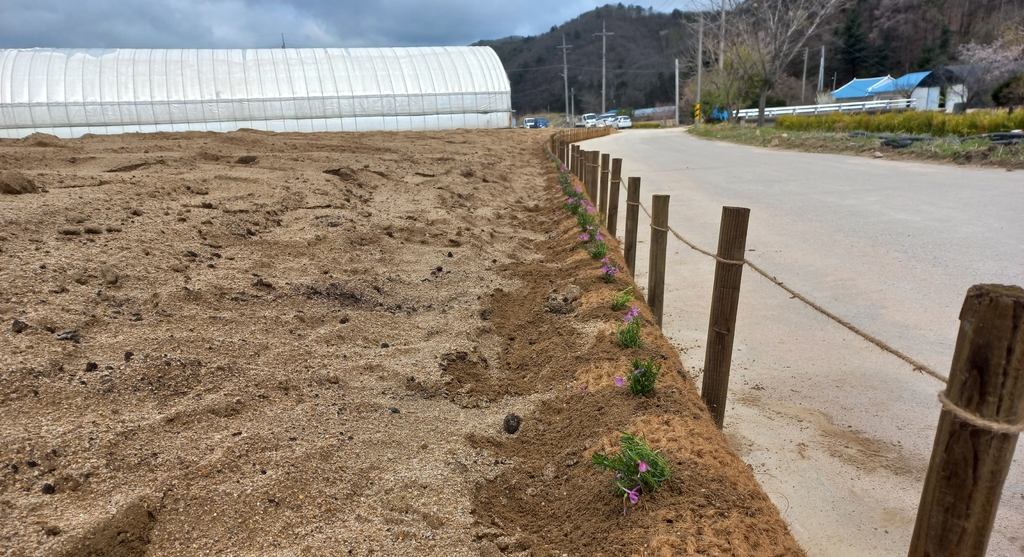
{"x":565,"y":73}
{"x":572,"y":101}
{"x":821,"y":70}
{"x":803,"y":82}
{"x":700,"y":65}
{"x":677,"y":91}
{"x":604,"y":49}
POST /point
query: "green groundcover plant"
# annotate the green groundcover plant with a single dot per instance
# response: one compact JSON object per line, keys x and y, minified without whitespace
{"x":641,"y":377}
{"x":622,"y":297}
{"x":609,"y":270}
{"x":637,"y":467}
{"x":629,"y":333}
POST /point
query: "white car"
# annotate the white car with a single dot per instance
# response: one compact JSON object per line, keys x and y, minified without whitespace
{"x":589,"y":120}
{"x":622,"y":122}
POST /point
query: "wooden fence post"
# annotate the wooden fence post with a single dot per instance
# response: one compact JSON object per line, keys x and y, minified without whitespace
{"x":725,"y":297}
{"x":656,"y":262}
{"x":593,"y":161}
{"x":632,"y":215}
{"x":603,"y":193}
{"x":613,"y":196}
{"x":978,"y":427}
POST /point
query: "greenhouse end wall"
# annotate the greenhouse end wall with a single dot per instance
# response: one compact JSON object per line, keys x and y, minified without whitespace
{"x":72,"y":92}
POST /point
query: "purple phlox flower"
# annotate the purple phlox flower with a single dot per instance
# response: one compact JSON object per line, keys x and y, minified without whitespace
{"x":643,"y":467}
{"x":620,"y":381}
{"x":599,"y":236}
{"x":579,"y":189}
{"x":591,"y":209}
{"x":610,"y":271}
{"x":631,"y":315}
{"x":583,"y":388}
{"x":606,"y":261}
{"x":564,"y":168}
{"x":638,"y":371}
{"x":584,"y":237}
{"x":618,"y":475}
{"x":633,"y":494}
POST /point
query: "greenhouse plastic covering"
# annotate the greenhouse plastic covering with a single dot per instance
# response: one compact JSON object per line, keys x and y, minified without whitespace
{"x":72,"y":92}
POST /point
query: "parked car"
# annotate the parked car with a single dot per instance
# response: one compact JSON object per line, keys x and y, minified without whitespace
{"x":588,"y":120}
{"x":540,"y":122}
{"x":529,"y":122}
{"x":621,"y":122}
{"x":606,"y":119}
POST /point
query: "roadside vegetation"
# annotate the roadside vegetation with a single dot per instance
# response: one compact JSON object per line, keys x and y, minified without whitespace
{"x":938,"y":124}
{"x":951,"y":149}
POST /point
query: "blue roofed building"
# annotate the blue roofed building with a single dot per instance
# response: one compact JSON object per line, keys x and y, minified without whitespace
{"x":859,"y":89}
{"x":931,"y":90}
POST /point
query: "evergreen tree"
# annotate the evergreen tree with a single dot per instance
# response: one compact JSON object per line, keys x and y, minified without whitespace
{"x":854,"y":50}
{"x":937,"y":53}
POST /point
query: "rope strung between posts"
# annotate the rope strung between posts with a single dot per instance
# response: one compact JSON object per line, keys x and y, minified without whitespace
{"x":977,"y":421}
{"x":918,"y":366}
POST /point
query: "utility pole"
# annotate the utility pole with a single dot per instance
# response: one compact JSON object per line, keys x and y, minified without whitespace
{"x":604,"y":49}
{"x":282,"y":40}
{"x":803,"y":82}
{"x":721,"y":40}
{"x":821,"y":70}
{"x":565,"y":74}
{"x":700,"y":67}
{"x":572,"y":123}
{"x":677,"y":91}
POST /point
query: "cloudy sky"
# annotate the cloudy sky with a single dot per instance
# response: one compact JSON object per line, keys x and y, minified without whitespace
{"x":260,"y":23}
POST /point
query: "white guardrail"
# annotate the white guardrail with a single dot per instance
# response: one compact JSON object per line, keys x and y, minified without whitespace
{"x":895,"y":104}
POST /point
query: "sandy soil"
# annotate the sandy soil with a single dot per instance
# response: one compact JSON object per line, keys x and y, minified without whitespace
{"x":277,"y":344}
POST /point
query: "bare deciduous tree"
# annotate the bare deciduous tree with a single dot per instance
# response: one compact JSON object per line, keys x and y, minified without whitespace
{"x":768,"y":34}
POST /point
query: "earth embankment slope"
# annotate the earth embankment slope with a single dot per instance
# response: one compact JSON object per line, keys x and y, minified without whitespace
{"x":254,"y":343}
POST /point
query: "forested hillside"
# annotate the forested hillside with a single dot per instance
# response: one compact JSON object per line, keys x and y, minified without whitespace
{"x":640,"y":60}
{"x":867,"y":38}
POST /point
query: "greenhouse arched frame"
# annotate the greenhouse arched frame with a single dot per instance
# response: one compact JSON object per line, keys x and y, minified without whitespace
{"x":72,"y":92}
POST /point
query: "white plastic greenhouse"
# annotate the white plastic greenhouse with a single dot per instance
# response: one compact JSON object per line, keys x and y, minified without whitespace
{"x":72,"y":92}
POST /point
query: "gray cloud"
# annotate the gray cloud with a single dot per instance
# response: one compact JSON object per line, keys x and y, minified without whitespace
{"x":259,"y":23}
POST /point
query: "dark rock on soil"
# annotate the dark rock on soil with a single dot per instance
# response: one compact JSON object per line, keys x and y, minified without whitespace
{"x":48,"y":489}
{"x":394,"y":410}
{"x":512,"y":423}
{"x":128,"y":356}
{"x":19,"y":326}
{"x":91,"y":366}
{"x":69,"y":334}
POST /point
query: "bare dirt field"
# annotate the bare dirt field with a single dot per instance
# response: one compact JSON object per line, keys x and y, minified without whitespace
{"x":284,"y":344}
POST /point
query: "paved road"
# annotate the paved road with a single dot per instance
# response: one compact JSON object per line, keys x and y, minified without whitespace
{"x":837,"y":431}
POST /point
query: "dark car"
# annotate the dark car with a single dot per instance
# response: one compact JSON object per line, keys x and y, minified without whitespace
{"x":540,"y":122}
